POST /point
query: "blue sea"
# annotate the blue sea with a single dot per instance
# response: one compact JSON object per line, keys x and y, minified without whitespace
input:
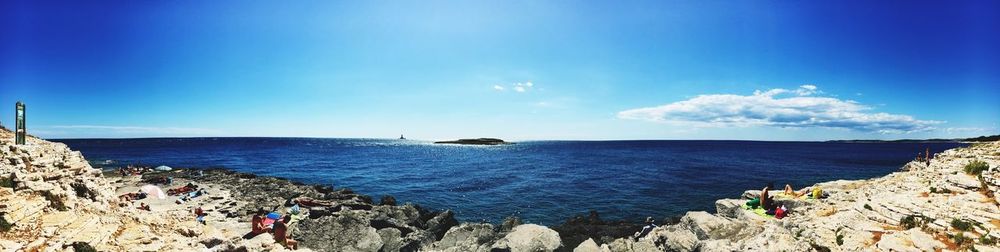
{"x":543,"y":182}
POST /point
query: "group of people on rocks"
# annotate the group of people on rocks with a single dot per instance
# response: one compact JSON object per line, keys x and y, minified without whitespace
{"x":925,"y":156}
{"x":280,"y":227}
{"x":131,"y":170}
{"x":766,"y":201}
{"x":126,"y":199}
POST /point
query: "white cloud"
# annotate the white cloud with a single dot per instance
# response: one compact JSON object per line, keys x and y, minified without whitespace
{"x":520,"y":87}
{"x":771,"y":108}
{"x":807,"y":89}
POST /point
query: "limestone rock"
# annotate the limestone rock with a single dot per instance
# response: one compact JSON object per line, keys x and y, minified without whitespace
{"x":391,"y":239}
{"x":707,"y":226}
{"x":588,"y":246}
{"x":467,"y":237}
{"x":672,"y":238}
{"x":440,"y":224}
{"x":529,"y":237}
{"x":350,"y":231}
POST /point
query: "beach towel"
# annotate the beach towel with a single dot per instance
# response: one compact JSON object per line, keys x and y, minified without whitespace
{"x":759,"y":211}
{"x":274,"y":215}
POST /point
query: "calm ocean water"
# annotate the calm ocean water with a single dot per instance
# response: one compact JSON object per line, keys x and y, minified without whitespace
{"x":543,"y":182}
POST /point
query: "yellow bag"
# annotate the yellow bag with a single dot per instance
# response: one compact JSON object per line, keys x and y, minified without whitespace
{"x":817,"y":192}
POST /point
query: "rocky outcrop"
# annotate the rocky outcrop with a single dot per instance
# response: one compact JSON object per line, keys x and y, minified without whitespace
{"x":468,"y":237}
{"x":580,"y":228}
{"x":55,"y":201}
{"x":922,"y":208}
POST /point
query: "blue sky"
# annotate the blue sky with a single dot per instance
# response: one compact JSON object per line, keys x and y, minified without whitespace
{"x":755,"y":70}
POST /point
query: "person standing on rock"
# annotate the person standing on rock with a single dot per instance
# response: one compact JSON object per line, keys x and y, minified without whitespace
{"x":927,"y":156}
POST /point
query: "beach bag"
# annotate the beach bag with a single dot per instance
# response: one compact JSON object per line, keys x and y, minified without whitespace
{"x":754,"y":203}
{"x":817,"y":192}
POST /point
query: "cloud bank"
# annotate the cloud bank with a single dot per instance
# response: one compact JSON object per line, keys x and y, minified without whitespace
{"x":778,"y":108}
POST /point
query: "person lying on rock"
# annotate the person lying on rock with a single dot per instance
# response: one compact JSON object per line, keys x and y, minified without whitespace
{"x":132,"y":196}
{"x":650,"y":225}
{"x":310,"y":202}
{"x":143,"y":206}
{"x":795,"y":194}
{"x":281,"y":235}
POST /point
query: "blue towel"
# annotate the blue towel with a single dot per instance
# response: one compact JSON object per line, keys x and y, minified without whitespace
{"x":273,"y":215}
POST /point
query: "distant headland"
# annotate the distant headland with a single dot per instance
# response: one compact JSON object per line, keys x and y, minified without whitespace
{"x":476,"y":141}
{"x":934,"y":140}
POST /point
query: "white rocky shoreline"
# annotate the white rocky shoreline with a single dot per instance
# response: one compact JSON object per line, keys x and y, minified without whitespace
{"x":60,"y":200}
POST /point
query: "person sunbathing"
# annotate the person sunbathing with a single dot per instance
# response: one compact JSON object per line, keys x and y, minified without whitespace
{"x":132,"y":196}
{"x":281,"y":235}
{"x":795,"y":194}
{"x":180,"y":190}
{"x":257,"y":225}
{"x":310,"y":202}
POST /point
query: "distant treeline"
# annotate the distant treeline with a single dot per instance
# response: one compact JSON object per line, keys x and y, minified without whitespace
{"x":984,"y":138}
{"x":934,"y":140}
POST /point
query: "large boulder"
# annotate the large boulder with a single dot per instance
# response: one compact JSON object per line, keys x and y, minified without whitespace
{"x":440,"y":224}
{"x":627,"y":244}
{"x":529,"y":237}
{"x":707,"y":226}
{"x":350,"y":231}
{"x":588,"y":246}
{"x":467,"y":237}
{"x":406,"y":213}
{"x":672,"y":238}
{"x":391,"y":239}
{"x":731,"y":208}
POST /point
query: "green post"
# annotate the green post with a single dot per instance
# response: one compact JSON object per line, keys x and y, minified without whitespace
{"x":21,"y":131}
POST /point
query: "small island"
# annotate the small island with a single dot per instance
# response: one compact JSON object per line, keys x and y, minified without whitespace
{"x":476,"y":141}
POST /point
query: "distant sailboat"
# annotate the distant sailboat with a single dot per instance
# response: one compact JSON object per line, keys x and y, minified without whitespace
{"x":401,"y":137}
